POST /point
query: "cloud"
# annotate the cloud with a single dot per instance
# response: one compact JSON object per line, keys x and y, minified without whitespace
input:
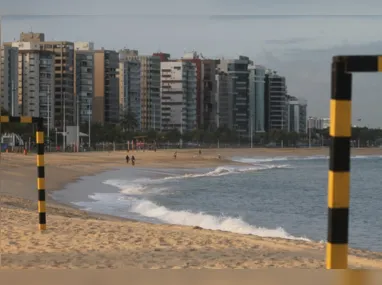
{"x":288,"y":41}
{"x":308,"y":76}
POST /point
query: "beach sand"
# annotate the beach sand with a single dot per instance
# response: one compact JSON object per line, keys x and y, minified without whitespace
{"x":77,"y":239}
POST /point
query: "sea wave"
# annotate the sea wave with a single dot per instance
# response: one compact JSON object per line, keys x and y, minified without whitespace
{"x":134,"y":196}
{"x":162,"y":214}
{"x":293,"y":158}
{"x":236,"y":225}
{"x":140,"y":186}
{"x":227,"y":170}
{"x":134,"y":188}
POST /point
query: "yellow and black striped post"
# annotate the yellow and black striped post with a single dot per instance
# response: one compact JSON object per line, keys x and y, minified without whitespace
{"x":41,"y":174}
{"x":40,"y":161}
{"x":339,"y":166}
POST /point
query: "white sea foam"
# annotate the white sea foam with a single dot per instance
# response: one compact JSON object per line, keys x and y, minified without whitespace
{"x":151,"y":210}
{"x":226,"y":170}
{"x":230,"y":224}
{"x":148,"y":209}
{"x":292,"y":158}
{"x":137,"y":187}
{"x":133,"y":188}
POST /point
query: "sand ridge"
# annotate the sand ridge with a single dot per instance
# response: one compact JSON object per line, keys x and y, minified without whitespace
{"x":77,"y":239}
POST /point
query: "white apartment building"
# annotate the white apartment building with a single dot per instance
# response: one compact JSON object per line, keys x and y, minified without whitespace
{"x":35,"y":82}
{"x":318,"y":123}
{"x":8,"y":82}
{"x":178,"y":95}
{"x":296,"y":114}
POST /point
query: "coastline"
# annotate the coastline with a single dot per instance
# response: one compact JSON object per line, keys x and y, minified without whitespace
{"x":190,"y":247}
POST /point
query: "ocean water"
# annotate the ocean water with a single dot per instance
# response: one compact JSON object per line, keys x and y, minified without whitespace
{"x":284,"y":197}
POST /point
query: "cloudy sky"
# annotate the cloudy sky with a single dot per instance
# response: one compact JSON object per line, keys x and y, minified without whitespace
{"x":295,"y":37}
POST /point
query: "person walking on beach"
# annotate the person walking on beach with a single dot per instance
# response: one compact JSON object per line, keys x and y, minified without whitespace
{"x":175,"y":153}
{"x":133,"y":160}
{"x":200,"y":151}
{"x":127,"y":159}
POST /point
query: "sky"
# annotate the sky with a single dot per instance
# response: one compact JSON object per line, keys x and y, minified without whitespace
{"x":294,"y":37}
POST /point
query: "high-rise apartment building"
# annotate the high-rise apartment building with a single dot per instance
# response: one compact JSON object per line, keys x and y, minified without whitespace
{"x":276,"y":113}
{"x":106,"y":87}
{"x":130,"y":88}
{"x":84,"y":81}
{"x":9,"y":79}
{"x":205,"y":89}
{"x":150,"y":88}
{"x":223,"y":100}
{"x":256,"y":94}
{"x":303,"y":110}
{"x":178,"y":95}
{"x":64,"y":103}
{"x":237,"y":69}
{"x":293,"y":114}
{"x":207,"y":94}
{"x":196,"y":59}
{"x":35,"y":82}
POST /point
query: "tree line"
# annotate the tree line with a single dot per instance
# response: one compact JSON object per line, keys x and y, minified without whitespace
{"x":127,"y":130}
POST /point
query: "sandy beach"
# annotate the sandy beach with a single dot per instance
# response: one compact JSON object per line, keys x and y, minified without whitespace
{"x":77,"y":239}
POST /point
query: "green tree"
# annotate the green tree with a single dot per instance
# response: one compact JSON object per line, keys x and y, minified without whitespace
{"x":198,"y":135}
{"x":226,"y":135}
{"x":173,"y":135}
{"x":129,"y":121}
{"x":152,"y":135}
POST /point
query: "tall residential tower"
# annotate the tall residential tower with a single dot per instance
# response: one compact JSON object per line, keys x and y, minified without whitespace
{"x":150,"y":88}
{"x":178,"y":95}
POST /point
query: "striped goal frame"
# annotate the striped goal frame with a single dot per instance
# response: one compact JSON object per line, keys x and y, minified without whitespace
{"x":40,"y":162}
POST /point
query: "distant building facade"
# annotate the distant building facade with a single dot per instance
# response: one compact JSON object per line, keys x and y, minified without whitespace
{"x":178,"y":96}
{"x":36,"y":82}
{"x":223,"y":101}
{"x":238,"y":72}
{"x":276,"y":112}
{"x":256,"y":93}
{"x":9,"y":78}
{"x":150,"y":88}
{"x":106,"y":87}
{"x":84,"y":81}
{"x":207,"y":94}
{"x":130,"y":88}
{"x":318,"y":123}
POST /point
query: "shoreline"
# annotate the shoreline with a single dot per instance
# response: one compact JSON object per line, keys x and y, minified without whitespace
{"x":69,"y":168}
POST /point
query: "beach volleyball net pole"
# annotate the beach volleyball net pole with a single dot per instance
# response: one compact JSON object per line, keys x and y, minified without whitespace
{"x":40,"y":145}
{"x":339,"y":165}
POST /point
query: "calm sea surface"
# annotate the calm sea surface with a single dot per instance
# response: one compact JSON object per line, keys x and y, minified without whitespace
{"x":273,"y":197}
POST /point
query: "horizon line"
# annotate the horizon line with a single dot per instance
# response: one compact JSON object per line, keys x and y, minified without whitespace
{"x":211,"y":16}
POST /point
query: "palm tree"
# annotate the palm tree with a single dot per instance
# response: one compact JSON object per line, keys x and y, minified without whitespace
{"x":129,"y":121}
